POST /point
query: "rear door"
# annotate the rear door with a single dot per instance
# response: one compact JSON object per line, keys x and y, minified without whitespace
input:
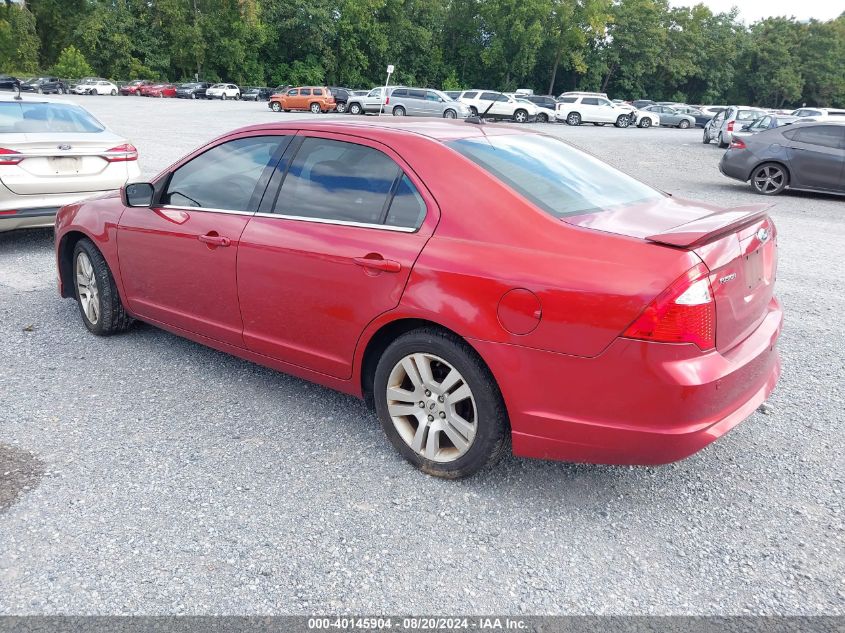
{"x":178,"y":258}
{"x":816,"y":156}
{"x":416,"y":102}
{"x":330,"y":249}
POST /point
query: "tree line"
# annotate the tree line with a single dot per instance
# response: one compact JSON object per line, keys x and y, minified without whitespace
{"x":627,"y":48}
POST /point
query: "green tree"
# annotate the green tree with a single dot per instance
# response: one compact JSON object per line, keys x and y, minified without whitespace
{"x":18,"y":39}
{"x":772,"y":64}
{"x":822,"y":54}
{"x":72,"y":64}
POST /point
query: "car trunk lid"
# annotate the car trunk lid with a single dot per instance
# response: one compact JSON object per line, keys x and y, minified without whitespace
{"x":738,"y":246}
{"x":69,"y":163}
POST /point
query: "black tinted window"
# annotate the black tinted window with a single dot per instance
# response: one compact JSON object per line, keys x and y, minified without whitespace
{"x":407,"y":209}
{"x":568,"y":99}
{"x":824,"y":135}
{"x":225,"y":176}
{"x":305,"y":91}
{"x":318,"y":91}
{"x":400,"y":92}
{"x":554,"y":176}
{"x":590,"y":101}
{"x":489,"y":96}
{"x":334,"y":180}
{"x":470,"y":95}
{"x":416,"y":94}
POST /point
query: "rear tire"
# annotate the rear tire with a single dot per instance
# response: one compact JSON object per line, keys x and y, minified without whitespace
{"x":223,"y":97}
{"x":683,"y":124}
{"x":573,"y":118}
{"x":398,"y":111}
{"x":96,"y":292}
{"x":543,"y":117}
{"x":769,"y":179}
{"x":705,"y":137}
{"x":473,"y":111}
{"x":520,"y":116}
{"x":721,"y":142}
{"x":341,"y":108}
{"x":314,"y":108}
{"x":355,"y":108}
{"x":476,"y":417}
{"x":450,"y":114}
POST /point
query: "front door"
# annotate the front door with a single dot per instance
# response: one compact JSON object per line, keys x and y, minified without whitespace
{"x":330,"y":250}
{"x":816,"y":156}
{"x":178,"y":258}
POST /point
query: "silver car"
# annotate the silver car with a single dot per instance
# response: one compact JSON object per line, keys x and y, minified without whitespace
{"x":404,"y":101}
{"x":721,"y":127}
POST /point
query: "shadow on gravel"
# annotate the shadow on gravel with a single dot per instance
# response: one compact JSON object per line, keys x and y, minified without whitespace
{"x":20,"y":472}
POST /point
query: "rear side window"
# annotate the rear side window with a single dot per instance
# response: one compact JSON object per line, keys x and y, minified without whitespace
{"x":339,"y":181}
{"x":823,"y":135}
{"x":470,"y":95}
{"x":489,"y":96}
{"x":553,"y":175}
{"x":590,"y":101}
{"x":568,"y":100}
{"x":416,"y":94}
{"x":400,"y":92}
{"x":225,"y":176}
{"x":318,"y":92}
{"x":305,"y":92}
{"x":35,"y":118}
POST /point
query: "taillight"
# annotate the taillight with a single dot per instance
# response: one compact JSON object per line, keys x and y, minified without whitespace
{"x":737,"y":143}
{"x":121,"y":153}
{"x":8,"y":156}
{"x":683,"y":313}
{"x":730,"y":126}
{"x":387,"y":100}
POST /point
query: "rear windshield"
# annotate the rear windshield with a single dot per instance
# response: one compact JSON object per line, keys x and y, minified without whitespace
{"x":559,"y":179}
{"x":749,"y":115}
{"x":37,"y":118}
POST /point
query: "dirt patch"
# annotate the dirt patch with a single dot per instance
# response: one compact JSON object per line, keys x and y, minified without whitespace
{"x":20,"y":471}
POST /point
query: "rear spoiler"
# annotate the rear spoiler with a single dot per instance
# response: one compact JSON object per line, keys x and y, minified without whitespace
{"x":711,"y":227}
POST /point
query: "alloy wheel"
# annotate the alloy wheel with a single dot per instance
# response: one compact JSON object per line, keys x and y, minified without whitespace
{"x":450,"y":114}
{"x":86,"y":288}
{"x":432,"y":407}
{"x":769,"y":179}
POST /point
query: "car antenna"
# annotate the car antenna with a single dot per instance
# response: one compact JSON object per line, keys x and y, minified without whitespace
{"x":479,"y":120}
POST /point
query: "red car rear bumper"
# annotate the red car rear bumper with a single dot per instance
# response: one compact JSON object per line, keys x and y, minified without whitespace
{"x":637,"y":402}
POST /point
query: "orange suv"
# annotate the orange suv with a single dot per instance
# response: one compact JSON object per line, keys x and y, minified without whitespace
{"x":314,"y":98}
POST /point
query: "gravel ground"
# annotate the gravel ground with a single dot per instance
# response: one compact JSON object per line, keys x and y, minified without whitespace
{"x":164,"y":477}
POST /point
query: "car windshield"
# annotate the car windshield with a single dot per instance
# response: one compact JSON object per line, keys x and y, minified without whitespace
{"x":219,"y":86}
{"x":37,"y":118}
{"x":554,"y":176}
{"x":189,"y":86}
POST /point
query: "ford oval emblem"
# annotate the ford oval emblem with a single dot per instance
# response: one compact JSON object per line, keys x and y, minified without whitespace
{"x":63,"y":147}
{"x":763,"y":234}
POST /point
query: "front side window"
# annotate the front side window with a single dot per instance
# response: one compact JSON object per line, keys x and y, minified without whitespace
{"x":225,"y":176}
{"x":400,"y":92}
{"x":293,"y":93}
{"x":345,"y":182}
{"x":553,"y":175}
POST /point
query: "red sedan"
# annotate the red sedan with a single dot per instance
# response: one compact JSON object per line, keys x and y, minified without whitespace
{"x":161,"y":90}
{"x":476,"y":284}
{"x":134,"y":88}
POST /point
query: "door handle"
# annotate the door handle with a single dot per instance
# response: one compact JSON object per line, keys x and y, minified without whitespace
{"x":215,"y":240}
{"x":379,"y":263}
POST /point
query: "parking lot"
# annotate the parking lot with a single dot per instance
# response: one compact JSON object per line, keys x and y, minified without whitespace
{"x":148,"y":474}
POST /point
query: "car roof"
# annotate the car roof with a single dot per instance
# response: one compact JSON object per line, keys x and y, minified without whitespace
{"x":26,"y":98}
{"x":437,"y":129}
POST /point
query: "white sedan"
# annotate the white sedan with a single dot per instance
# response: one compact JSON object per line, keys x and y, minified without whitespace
{"x":544,"y":115}
{"x":95,"y":87}
{"x":223,"y":91}
{"x":644,"y":118}
{"x":54,"y":153}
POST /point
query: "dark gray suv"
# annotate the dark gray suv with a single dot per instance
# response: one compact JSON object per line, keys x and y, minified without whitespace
{"x":808,"y":156}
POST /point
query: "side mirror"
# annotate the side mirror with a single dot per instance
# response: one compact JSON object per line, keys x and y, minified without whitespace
{"x":139,"y":194}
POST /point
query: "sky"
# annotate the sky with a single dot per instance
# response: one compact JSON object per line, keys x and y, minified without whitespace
{"x":753,"y":10}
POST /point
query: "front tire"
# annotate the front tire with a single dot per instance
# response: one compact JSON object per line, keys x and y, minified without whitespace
{"x":623,"y":121}
{"x":193,"y":95}
{"x":573,"y":118}
{"x":462,"y":425}
{"x":705,"y":137}
{"x":543,"y":117}
{"x":341,"y":108}
{"x":450,"y":114}
{"x":645,"y":123}
{"x":96,"y":292}
{"x":223,"y":97}
{"x":276,"y":107}
{"x":769,"y":179}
